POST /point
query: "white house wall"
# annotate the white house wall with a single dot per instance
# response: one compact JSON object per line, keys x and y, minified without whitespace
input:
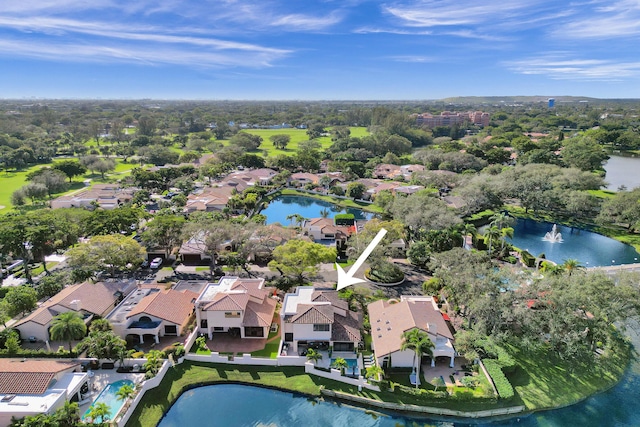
{"x":32,"y":329}
{"x":399,"y":359}
{"x":305,"y":332}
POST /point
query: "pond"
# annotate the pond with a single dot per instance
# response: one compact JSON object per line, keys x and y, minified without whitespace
{"x":622,"y":170}
{"x":591,"y":249}
{"x":242,"y":405}
{"x":283,"y":206}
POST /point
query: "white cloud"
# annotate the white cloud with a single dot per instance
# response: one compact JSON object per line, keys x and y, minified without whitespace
{"x":438,"y":13}
{"x":305,"y":22}
{"x":103,"y":53}
{"x":412,"y":58}
{"x":554,"y":67}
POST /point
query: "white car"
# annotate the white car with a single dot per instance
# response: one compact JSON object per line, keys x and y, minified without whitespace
{"x":156,"y":263}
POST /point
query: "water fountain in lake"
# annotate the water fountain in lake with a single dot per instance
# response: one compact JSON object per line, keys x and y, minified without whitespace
{"x":553,"y":235}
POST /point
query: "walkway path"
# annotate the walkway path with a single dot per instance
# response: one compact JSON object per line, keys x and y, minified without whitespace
{"x":617,"y":268}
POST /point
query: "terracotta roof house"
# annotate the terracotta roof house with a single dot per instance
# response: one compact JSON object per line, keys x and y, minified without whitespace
{"x":88,"y":299}
{"x":237,"y":307}
{"x":390,"y":320}
{"x":386,"y":171}
{"x":301,"y":179}
{"x":325,"y":229}
{"x":31,"y":386}
{"x":407,"y":170}
{"x":210,"y":199}
{"x":408,"y":189}
{"x":153,"y":312}
{"x":107,"y":196}
{"x":313,"y":317}
{"x":261,"y":176}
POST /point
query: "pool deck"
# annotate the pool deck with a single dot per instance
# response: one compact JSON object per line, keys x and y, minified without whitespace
{"x":101,"y":379}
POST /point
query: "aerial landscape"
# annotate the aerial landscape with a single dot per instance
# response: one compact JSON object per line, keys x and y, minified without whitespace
{"x":404,"y":213}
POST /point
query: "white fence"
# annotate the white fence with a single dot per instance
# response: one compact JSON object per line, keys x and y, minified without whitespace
{"x":335,"y":375}
{"x":147,"y":385}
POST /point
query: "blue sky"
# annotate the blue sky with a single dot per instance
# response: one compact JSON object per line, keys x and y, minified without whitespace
{"x":310,"y":49}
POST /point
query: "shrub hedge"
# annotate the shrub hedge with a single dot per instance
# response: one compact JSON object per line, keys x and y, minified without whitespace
{"x":528,"y":259}
{"x":504,"y":387}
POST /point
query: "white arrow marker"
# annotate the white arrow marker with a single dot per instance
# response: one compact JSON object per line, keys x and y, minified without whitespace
{"x":346,"y":279}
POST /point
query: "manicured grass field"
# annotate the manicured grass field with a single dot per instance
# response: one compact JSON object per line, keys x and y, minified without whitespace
{"x":541,"y":381}
{"x":269,"y":351}
{"x":297,"y":136}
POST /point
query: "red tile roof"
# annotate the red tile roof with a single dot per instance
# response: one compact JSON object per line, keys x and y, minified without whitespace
{"x":172,"y":306}
{"x":29,"y":376}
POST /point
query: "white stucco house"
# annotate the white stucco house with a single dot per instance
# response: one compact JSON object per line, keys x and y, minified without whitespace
{"x":87,"y":299}
{"x":318,"y":318}
{"x":390,"y":319}
{"x":30,"y":387}
{"x":235,"y":306}
{"x":153,"y":312}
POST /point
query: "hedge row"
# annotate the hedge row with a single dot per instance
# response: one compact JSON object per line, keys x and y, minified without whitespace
{"x":37,"y":353}
{"x":504,"y":387}
{"x":528,"y":259}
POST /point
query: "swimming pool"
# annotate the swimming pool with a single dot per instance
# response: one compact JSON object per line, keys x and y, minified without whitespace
{"x":352,"y":366}
{"x":108,"y":396}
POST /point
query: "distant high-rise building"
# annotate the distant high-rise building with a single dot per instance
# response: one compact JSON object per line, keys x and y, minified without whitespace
{"x":552,"y":102}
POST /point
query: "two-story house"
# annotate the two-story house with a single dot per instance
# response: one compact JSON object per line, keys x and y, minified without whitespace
{"x":317,"y":318}
{"x":390,"y":320}
{"x":235,"y":306}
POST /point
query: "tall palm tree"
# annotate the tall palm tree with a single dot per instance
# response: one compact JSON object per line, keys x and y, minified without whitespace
{"x":571,"y":265}
{"x":419,"y":342}
{"x":68,"y":326}
{"x":467,"y":229}
{"x":500,"y":219}
{"x":313,"y":356}
{"x":491,"y":233}
{"x":504,"y":233}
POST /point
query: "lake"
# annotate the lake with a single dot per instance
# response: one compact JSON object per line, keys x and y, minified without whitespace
{"x":283,"y":206}
{"x":233,"y":405}
{"x":622,"y":170}
{"x":591,"y":249}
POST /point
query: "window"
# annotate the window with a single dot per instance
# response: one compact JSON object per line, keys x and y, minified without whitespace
{"x":232,"y":314}
{"x":170,"y":330}
{"x":288,"y":336}
{"x":253,"y":331}
{"x":218,"y":329}
{"x":322,"y":327}
{"x":204,"y":324}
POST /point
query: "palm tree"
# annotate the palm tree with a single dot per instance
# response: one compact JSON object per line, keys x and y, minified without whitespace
{"x":437,"y":382}
{"x":500,"y":219}
{"x":125,"y":391}
{"x":324,"y":213}
{"x":570,"y":265}
{"x":491,"y":233}
{"x":374,"y":372}
{"x":504,"y":233}
{"x":340,"y":363}
{"x":68,"y":326}
{"x":99,"y":410}
{"x":153,"y":363}
{"x":419,"y":342}
{"x":68,"y":415}
{"x":295,"y":218}
{"x":313,"y":355}
{"x":467,"y":229}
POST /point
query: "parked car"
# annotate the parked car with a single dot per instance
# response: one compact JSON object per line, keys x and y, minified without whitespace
{"x":156,"y":263}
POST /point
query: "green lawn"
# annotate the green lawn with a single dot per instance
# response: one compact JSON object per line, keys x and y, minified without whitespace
{"x":541,"y":381}
{"x":269,"y":351}
{"x":297,"y":136}
{"x":10,"y":182}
